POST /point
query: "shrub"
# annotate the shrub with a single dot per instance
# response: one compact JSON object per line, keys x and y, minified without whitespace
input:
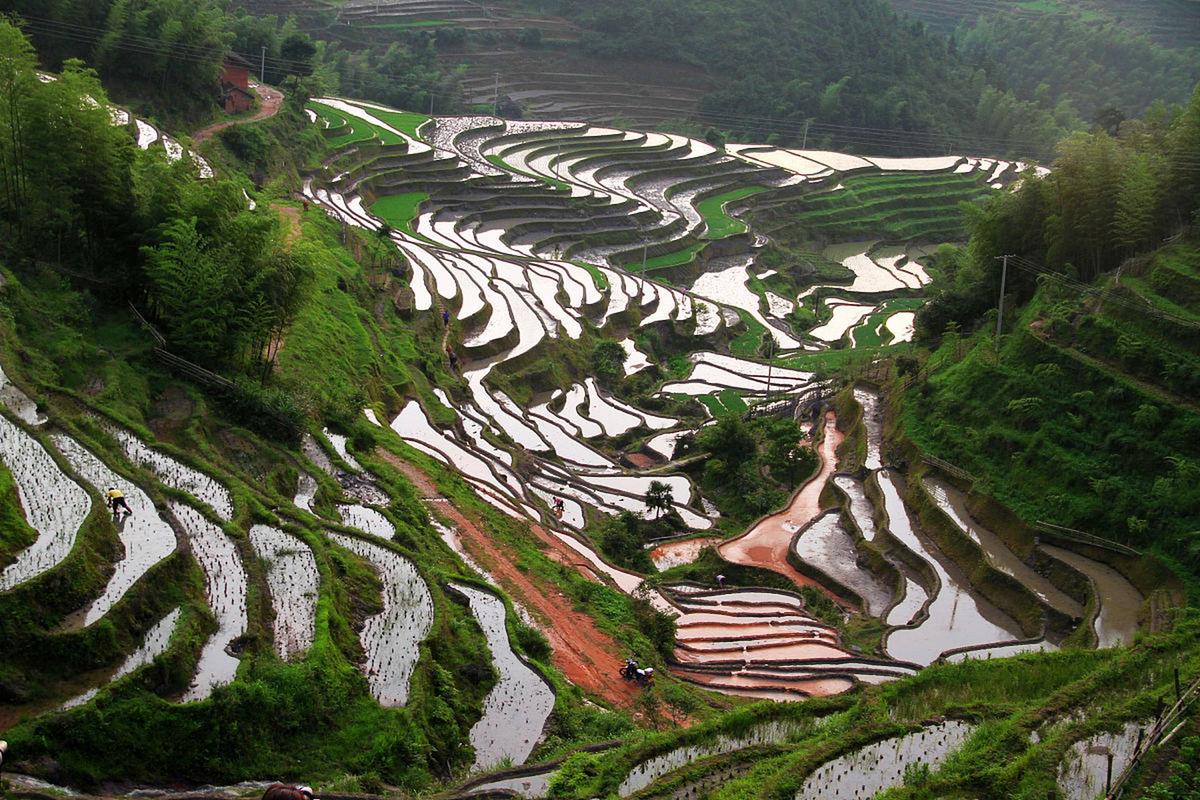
{"x":532,"y":641}
{"x":267,"y":410}
{"x":530,"y":37}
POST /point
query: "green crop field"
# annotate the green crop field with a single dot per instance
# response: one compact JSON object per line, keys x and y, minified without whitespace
{"x":672,"y":259}
{"x":405,"y":121}
{"x":359,"y":130}
{"x":870,"y":332}
{"x":895,"y":206}
{"x":399,"y":210}
{"x":718,"y":222}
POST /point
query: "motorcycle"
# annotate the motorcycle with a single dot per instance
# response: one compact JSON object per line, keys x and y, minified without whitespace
{"x":631,"y":672}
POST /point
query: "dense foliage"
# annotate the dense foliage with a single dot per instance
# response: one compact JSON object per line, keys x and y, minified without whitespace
{"x":167,"y":51}
{"x":832,"y":62}
{"x":221,"y":280}
{"x":1085,"y":414}
{"x":167,"y":54}
{"x":1107,"y":198}
{"x":1050,"y":59}
{"x":752,"y":466}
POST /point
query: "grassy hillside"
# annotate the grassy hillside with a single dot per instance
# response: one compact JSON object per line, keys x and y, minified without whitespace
{"x":1086,"y":414}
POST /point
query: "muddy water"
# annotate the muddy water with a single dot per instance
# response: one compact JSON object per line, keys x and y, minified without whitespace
{"x":675,"y":554}
{"x":780,"y":688}
{"x":876,"y":767}
{"x":957,"y":618}
{"x":861,"y":508}
{"x":1120,"y":602}
{"x":906,"y":610}
{"x":19,"y":403}
{"x":1084,"y":768}
{"x":954,"y":504}
{"x":872,"y":417}
{"x":646,"y":773}
{"x":829,"y":548}
{"x":1003,"y":651}
{"x":516,"y":709}
{"x":54,"y":505}
{"x":367,"y":520}
{"x":306,"y":492}
{"x":531,"y":787}
{"x":158,"y":638}
{"x":391,"y":637}
{"x":766,"y":544}
{"x":145,"y":536}
{"x":294,"y":583}
{"x":174,"y":474}
{"x":225,"y":590}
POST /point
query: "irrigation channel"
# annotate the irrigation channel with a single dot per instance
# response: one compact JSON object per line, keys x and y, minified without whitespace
{"x":531,"y":232}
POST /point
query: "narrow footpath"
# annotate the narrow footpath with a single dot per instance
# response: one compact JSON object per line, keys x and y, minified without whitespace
{"x":270,"y":101}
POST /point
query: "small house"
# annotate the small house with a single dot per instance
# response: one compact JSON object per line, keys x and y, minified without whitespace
{"x":236,"y":96}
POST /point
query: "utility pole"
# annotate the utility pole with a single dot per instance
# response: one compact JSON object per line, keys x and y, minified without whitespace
{"x":496,"y":100}
{"x":431,"y":96}
{"x":644,"y":248}
{"x":804,"y":145}
{"x":262,"y":69}
{"x":770,"y":366}
{"x":1003,"y":284}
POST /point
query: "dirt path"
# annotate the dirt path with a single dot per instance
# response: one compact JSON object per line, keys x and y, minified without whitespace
{"x":291,"y":216}
{"x":587,"y":657}
{"x":766,"y":544}
{"x":270,"y":101}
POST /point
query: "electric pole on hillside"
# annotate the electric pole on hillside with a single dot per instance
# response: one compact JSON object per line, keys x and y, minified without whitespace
{"x":262,"y":69}
{"x":770,"y":364}
{"x":496,"y":98}
{"x":804,"y":145}
{"x":1000,"y":306}
{"x":645,"y":247}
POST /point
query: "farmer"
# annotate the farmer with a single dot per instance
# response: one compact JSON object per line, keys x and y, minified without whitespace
{"x":559,"y":508}
{"x":721,"y":581}
{"x":453,"y":360}
{"x":280,"y":791}
{"x":116,"y":501}
{"x":3,"y":750}
{"x":446,"y":317}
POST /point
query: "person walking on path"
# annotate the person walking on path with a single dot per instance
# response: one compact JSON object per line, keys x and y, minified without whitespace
{"x":117,"y":501}
{"x":446,"y":317}
{"x":721,"y":581}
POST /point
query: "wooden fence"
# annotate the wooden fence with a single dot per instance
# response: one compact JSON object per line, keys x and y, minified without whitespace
{"x":948,"y":468}
{"x":1081,"y":537}
{"x":1164,"y":728}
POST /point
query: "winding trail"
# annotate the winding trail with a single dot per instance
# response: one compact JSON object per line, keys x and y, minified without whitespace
{"x":586,"y":656}
{"x":270,"y":101}
{"x":766,"y":545}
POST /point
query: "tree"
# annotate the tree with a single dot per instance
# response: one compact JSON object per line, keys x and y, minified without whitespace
{"x":659,"y":498}
{"x":1136,"y":214}
{"x":608,"y":361}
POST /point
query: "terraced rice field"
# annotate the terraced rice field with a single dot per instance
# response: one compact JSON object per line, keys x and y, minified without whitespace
{"x":145,"y":536}
{"x":531,"y":234}
{"x":905,"y":206}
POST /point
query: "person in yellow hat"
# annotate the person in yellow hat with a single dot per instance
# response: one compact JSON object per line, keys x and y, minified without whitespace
{"x":117,"y":502}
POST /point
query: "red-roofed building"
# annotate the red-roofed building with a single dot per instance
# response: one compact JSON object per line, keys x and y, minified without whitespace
{"x":235,"y":85}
